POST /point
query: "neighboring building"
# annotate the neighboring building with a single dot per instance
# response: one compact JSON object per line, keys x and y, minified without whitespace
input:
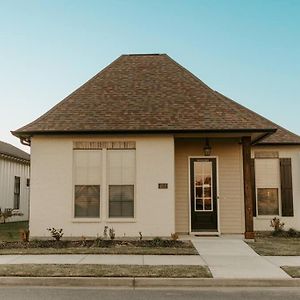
{"x":146,"y":146}
{"x":14,"y":180}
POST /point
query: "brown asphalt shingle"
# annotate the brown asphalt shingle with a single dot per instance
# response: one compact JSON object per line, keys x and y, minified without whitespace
{"x":145,"y":93}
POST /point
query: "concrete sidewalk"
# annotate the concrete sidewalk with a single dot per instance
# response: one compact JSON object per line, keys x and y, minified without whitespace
{"x":233,"y":258}
{"x":103,"y":259}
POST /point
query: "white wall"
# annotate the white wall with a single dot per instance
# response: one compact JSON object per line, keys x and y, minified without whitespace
{"x":293,"y":152}
{"x":52,"y":188}
{"x":8,"y":170}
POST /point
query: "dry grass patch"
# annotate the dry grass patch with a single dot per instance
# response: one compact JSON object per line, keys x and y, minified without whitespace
{"x":47,"y":270}
{"x":292,"y":271}
{"x":11,"y":231}
{"x":276,"y":246}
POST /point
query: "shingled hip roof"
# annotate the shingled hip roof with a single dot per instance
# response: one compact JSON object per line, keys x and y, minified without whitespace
{"x":146,"y":93}
{"x":14,"y":152}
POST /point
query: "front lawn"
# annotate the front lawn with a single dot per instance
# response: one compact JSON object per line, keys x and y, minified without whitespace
{"x":276,"y":246}
{"x":47,"y":270}
{"x":292,"y":271}
{"x":11,"y":231}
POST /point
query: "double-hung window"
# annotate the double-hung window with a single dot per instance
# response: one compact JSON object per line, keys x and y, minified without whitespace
{"x":268,"y":186}
{"x":17,"y":188}
{"x":87,"y":183}
{"x":121,"y":182}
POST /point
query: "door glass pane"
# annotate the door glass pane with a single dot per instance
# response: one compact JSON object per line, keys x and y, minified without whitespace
{"x":199,"y":204}
{"x":199,"y":192}
{"x":207,"y":191}
{"x":207,"y":202}
{"x":203,"y":185}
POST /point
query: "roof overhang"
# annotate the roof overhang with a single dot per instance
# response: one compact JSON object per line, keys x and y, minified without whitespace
{"x":255,"y":134}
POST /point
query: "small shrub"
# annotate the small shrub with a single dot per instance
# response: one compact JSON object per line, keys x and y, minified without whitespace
{"x":24,"y":235}
{"x":112,"y":233}
{"x":140,"y":235}
{"x":174,"y":236}
{"x":98,"y":242}
{"x":56,"y":233}
{"x":277,"y":225}
{"x":83,"y":238}
{"x":105,"y":234}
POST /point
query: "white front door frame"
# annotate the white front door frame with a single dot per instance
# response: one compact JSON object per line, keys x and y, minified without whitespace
{"x":217,"y":191}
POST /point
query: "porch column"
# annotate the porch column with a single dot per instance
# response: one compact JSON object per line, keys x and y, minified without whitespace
{"x":246,"y":143}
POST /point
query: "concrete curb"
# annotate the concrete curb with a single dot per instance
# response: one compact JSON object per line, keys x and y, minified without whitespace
{"x":131,"y":282}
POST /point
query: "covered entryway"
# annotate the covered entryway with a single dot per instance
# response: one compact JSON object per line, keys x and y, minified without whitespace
{"x":203,"y":194}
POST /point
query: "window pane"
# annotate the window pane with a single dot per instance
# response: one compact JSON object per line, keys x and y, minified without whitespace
{"x":121,"y":200}
{"x":121,"y":166}
{"x":207,"y":202}
{"x":87,"y":201}
{"x":88,"y":167}
{"x":199,"y":204}
{"x":199,"y":191}
{"x":267,"y":201}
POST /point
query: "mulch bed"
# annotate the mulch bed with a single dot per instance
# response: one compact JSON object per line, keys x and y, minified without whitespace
{"x":94,"y":244}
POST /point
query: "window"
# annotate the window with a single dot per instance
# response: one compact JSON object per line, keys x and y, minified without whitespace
{"x":121,"y":200}
{"x":267,"y":176}
{"x":17,"y":193}
{"x":27,"y":182}
{"x":87,"y":181}
{"x":267,"y":200}
{"x":121,"y":180}
{"x":203,"y":186}
{"x":87,"y":202}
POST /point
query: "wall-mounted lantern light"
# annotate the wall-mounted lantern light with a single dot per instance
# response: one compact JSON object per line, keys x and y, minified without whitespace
{"x":207,"y":148}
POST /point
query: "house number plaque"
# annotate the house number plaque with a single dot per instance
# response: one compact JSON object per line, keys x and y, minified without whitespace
{"x":162,"y":185}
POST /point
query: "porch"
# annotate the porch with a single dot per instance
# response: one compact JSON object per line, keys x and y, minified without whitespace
{"x":213,"y":186}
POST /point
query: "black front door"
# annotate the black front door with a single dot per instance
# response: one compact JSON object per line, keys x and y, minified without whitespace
{"x":203,"y":185}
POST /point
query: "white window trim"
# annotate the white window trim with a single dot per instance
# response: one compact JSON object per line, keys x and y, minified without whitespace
{"x":104,"y":195}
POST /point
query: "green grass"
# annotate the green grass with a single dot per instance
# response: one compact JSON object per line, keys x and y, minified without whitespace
{"x":278,"y":246}
{"x":47,"y":270}
{"x":11,"y":231}
{"x":292,"y":271}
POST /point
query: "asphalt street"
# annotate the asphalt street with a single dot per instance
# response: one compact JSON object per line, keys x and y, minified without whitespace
{"x":53,"y":293}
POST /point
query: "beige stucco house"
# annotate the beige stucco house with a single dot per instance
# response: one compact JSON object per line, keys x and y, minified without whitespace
{"x":146,"y":146}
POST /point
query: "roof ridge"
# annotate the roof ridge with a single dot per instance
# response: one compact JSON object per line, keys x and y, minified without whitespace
{"x":144,"y":54}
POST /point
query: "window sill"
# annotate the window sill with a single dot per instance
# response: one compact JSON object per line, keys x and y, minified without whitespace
{"x":86,"y":220}
{"x":120,"y":220}
{"x":267,"y":217}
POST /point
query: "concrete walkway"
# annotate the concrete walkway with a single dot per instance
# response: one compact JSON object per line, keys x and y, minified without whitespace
{"x":103,"y":259}
{"x":233,"y":258}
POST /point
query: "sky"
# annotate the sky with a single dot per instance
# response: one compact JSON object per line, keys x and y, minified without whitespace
{"x":247,"y":50}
